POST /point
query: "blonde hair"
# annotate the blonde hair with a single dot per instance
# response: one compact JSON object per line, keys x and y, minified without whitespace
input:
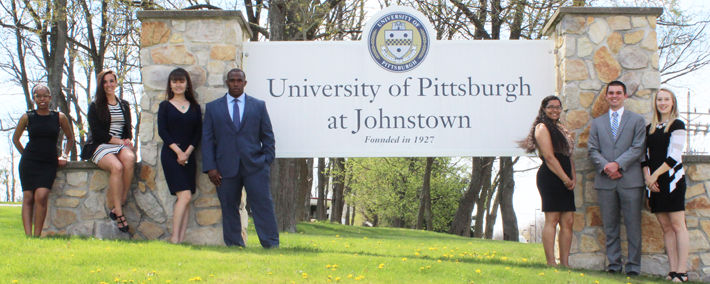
{"x":657,"y":115}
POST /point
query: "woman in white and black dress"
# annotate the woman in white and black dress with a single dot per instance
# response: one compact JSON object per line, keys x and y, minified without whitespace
{"x":665,"y":179}
{"x":109,"y":143}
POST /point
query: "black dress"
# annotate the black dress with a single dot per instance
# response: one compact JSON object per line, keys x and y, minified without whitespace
{"x":183,"y":129}
{"x":555,"y":196}
{"x":38,"y":165}
{"x":667,"y":147}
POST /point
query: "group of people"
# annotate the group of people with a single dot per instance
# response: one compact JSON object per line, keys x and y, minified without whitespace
{"x":238,"y":147}
{"x":629,"y":156}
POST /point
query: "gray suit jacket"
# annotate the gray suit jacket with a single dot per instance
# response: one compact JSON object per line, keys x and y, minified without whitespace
{"x":224,"y":146}
{"x":627,"y":150}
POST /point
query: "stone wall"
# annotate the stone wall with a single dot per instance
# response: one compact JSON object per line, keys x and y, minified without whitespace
{"x":593,"y":47}
{"x":205,"y":43}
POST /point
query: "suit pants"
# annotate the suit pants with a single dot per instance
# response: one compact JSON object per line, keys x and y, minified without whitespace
{"x":258,"y":189}
{"x":628,"y":201}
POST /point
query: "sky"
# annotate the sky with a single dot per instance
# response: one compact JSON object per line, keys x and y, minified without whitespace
{"x":526,"y":198}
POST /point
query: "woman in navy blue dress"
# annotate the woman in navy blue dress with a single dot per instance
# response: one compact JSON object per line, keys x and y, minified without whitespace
{"x":180,"y":127}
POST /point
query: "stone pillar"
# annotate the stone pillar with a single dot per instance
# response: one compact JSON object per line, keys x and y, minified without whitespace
{"x":593,"y":47}
{"x":207,"y":44}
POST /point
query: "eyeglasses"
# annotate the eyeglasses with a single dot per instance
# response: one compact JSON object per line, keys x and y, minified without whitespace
{"x":553,"y":107}
{"x":42,"y":96}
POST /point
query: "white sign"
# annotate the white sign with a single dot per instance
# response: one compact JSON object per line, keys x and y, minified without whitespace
{"x":399,"y":92}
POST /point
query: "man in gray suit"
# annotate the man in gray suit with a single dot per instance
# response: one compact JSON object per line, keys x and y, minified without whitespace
{"x":238,"y":147}
{"x":616,"y":147}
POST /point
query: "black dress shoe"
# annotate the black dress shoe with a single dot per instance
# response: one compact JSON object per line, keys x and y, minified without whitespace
{"x":612,"y":271}
{"x":632,"y":273}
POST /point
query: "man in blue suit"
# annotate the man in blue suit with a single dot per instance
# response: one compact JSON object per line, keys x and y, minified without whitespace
{"x":238,"y":147}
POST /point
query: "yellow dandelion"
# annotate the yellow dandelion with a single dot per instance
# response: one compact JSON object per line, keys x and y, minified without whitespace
{"x":525,"y":259}
{"x":596,"y":282}
{"x":503,"y":258}
{"x":382,"y":265}
{"x":356,"y":254}
{"x":439,"y":260}
{"x":305,"y":277}
{"x":347,"y":246}
{"x":211,"y":275}
{"x":350,"y":276}
{"x":581,"y":274}
{"x":150,"y":279}
{"x":333,"y":269}
{"x":507,"y":268}
{"x":365,"y":238}
{"x":327,"y":266}
{"x":116,"y":280}
{"x":124,"y":281}
{"x":416,"y":253}
{"x":167,"y":281}
{"x":337,"y":279}
{"x":541,"y":274}
{"x":98,"y":270}
{"x":478,"y":271}
{"x":270,"y":273}
{"x":555,"y":270}
{"x":91,"y":271}
{"x":304,"y":274}
{"x":328,"y":280}
{"x":337,"y":236}
{"x":335,"y":266}
{"x":421,"y":268}
{"x":14,"y":281}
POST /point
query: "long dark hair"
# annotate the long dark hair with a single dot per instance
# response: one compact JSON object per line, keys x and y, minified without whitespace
{"x":181,"y":74}
{"x":100,"y":97}
{"x":559,"y":141}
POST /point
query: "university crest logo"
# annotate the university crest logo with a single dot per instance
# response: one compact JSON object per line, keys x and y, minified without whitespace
{"x":398,"y":42}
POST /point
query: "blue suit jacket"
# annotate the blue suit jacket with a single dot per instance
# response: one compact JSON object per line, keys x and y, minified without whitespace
{"x":224,"y":146}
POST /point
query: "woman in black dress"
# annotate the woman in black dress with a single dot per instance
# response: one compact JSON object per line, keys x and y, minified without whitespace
{"x":109,"y":143}
{"x":38,"y":165}
{"x":180,"y":127}
{"x":555,"y":178}
{"x":665,"y":179}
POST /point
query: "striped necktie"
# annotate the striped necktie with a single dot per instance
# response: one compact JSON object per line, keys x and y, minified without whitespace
{"x":614,"y":124}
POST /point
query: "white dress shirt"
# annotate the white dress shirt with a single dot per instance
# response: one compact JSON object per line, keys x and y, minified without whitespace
{"x":611,"y":116}
{"x":240,"y":103}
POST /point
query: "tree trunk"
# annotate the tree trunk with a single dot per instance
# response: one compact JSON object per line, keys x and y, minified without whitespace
{"x":352,"y":216}
{"x":483,"y":201}
{"x":425,"y":200}
{"x":507,"y":187}
{"x":305,"y":182}
{"x":461,"y":225}
{"x":491,"y":217}
{"x":322,"y":183}
{"x":285,"y":182}
{"x":336,"y":211}
{"x":58,"y":43}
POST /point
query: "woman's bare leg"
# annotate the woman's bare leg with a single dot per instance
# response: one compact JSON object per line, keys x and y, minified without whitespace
{"x":548,"y":236}
{"x":41,"y":198}
{"x":565,"y":241}
{"x":28,"y":205}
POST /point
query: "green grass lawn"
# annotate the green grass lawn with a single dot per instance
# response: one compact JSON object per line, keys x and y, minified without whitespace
{"x":318,"y":253}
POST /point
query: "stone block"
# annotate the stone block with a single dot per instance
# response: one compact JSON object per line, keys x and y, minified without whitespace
{"x":223,"y":52}
{"x":577,"y":119}
{"x":149,"y":204}
{"x":568,"y":46}
{"x":615,"y":42}
{"x":590,"y":85}
{"x":631,"y":57}
{"x":149,"y":153}
{"x":176,"y":39}
{"x":216,"y":68}
{"x":573,"y":25}
{"x":598,"y":31}
{"x":150,"y":230}
{"x":208,"y":217}
{"x":589,"y":244}
{"x":205,"y":236}
{"x":99,"y":180}
{"x":94,"y":207}
{"x":590,"y":194}
{"x":633,"y":38}
{"x":172,"y":54}
{"x":584,"y":47}
{"x":650,"y":42}
{"x":651,"y":21}
{"x":215,"y":80}
{"x":705,"y":257}
{"x":63,"y":217}
{"x":619,"y":23}
{"x":75,"y":193}
{"x":203,"y":202}
{"x":575,"y":70}
{"x":58,"y":187}
{"x":205,"y":185}
{"x":146,"y":127}
{"x":204,"y":31}
{"x":178,"y":25}
{"x":632,"y":82}
{"x":574,"y":247}
{"x":583,"y":137}
{"x":638,"y":22}
{"x":691,"y":222}
{"x":153,"y":32}
{"x":638,"y":106}
{"x":654,"y":60}
{"x":108,"y":230}
{"x":77,"y":179}
{"x":608,"y":69}
{"x":66,"y":202}
{"x":156,"y":76}
{"x":592,"y":261}
{"x":197,"y":75}
{"x":578,"y":193}
{"x":147,"y":172}
{"x":655,"y":264}
{"x":586,"y":99}
{"x":145,"y":101}
{"x":698,"y":242}
{"x":85,"y":228}
{"x":594,"y":217}
{"x":693,"y":262}
{"x":601,"y":106}
{"x":695,"y":190}
{"x":578,"y":222}
{"x":699,"y":172}
{"x":698,"y":207}
{"x":651,"y":234}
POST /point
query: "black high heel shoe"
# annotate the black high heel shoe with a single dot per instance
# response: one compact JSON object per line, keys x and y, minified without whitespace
{"x":122,"y":220}
{"x":683,"y":277}
{"x":112,"y":215}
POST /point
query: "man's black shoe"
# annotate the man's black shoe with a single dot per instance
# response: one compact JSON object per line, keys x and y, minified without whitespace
{"x":632,"y":273}
{"x":612,"y":271}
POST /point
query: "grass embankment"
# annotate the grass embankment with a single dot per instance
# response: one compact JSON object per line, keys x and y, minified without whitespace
{"x":318,"y":253}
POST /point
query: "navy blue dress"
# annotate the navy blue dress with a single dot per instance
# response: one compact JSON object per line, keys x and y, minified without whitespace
{"x":183,"y":129}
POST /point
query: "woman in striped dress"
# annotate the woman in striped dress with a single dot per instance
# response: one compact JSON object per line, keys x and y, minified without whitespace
{"x":109,"y":143}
